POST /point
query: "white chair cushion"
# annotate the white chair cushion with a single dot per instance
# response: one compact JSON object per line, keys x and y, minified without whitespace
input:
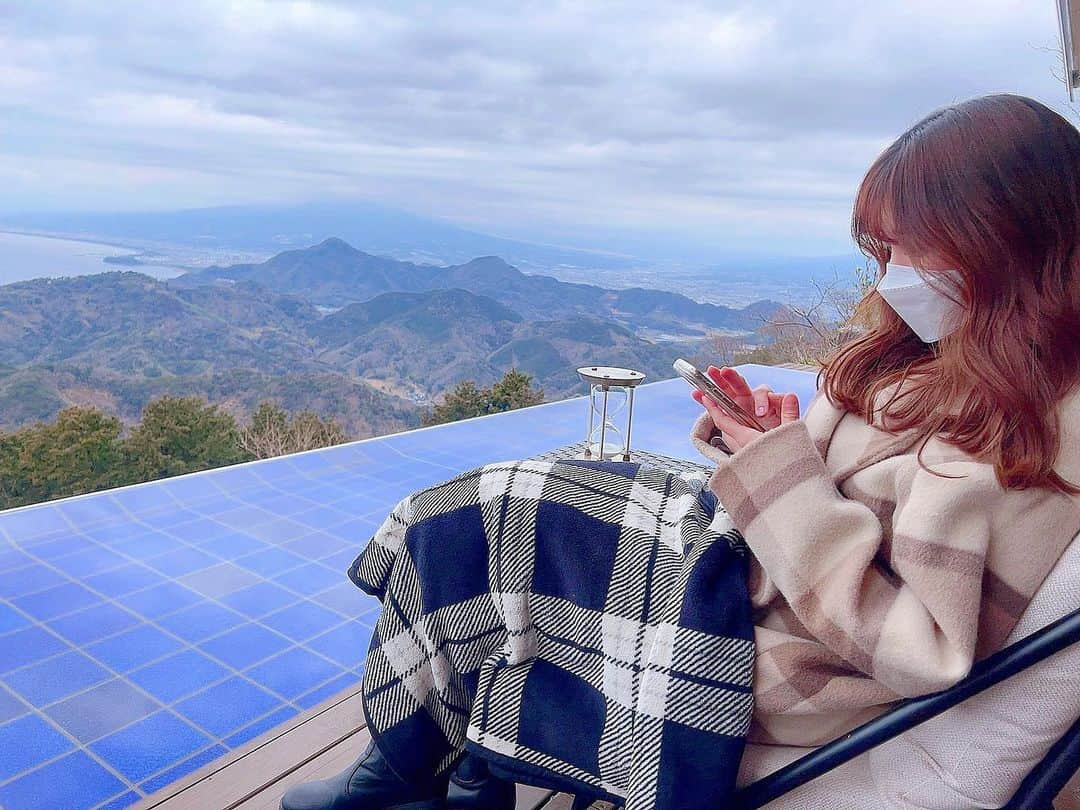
{"x":976,"y":754}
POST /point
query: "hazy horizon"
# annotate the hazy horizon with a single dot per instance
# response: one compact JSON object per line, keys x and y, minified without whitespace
{"x":629,"y":128}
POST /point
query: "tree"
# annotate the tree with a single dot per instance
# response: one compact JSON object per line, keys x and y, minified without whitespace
{"x":807,"y":334}
{"x":179,"y":435}
{"x":513,"y":391}
{"x":465,"y":400}
{"x":79,"y":452}
{"x":273,"y":432}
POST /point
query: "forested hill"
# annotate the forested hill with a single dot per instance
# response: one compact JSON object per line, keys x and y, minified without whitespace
{"x":118,"y":340}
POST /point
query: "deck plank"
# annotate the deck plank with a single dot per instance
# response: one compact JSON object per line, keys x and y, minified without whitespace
{"x":326,"y":764}
{"x":265,"y":761}
{"x":315,"y":745}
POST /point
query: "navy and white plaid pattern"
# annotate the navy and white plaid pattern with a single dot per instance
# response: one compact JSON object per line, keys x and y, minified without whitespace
{"x":585,"y":624}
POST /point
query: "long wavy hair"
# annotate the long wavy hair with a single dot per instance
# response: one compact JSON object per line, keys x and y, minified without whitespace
{"x":991,"y":186}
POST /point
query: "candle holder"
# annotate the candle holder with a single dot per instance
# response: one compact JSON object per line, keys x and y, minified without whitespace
{"x":611,"y":391}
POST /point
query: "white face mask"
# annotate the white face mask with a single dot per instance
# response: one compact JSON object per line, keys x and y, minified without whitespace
{"x":930,"y":313}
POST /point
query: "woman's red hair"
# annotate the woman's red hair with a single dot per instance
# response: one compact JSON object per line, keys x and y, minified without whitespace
{"x":992,"y":187}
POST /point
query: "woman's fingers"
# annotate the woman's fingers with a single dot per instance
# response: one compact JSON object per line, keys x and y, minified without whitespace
{"x":734,"y":385}
{"x":736,"y":435}
{"x":789,"y":409}
{"x":762,"y":401}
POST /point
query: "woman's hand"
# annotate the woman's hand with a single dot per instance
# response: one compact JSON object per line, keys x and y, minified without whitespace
{"x":770,"y":408}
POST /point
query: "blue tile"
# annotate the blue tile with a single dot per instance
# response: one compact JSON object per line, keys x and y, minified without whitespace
{"x":168,"y":517}
{"x":148,"y":544}
{"x":322,"y":517}
{"x":87,"y":511}
{"x":143,"y":499}
{"x":26,"y":743}
{"x":219,"y":580}
{"x":189,"y":765}
{"x":26,"y":646}
{"x":11,"y":619}
{"x":146,"y":747}
{"x":94,"y":623}
{"x":48,"y":681}
{"x":51,"y":602}
{"x":198,"y":531}
{"x":347,"y":644}
{"x":281,"y":530}
{"x":102,"y":710}
{"x":310,"y":578}
{"x":89,"y":561}
{"x":243,"y":517}
{"x":178,"y":675}
{"x":249,"y":733}
{"x":133,"y":648}
{"x":10,"y":706}
{"x":357,"y":531}
{"x":115,"y":533}
{"x":182,"y":561}
{"x":302,"y":621}
{"x":228,"y":706}
{"x":26,"y":524}
{"x":316,"y":545}
{"x":270,"y":561}
{"x":260,"y":599}
{"x":342,"y":560}
{"x":245,"y":645}
{"x":10,"y":559}
{"x":32,"y":578}
{"x":194,"y":488}
{"x":122,"y":580}
{"x":201,"y":621}
{"x":293,"y":672}
{"x":348,"y":600}
{"x":76,"y":782}
{"x":160,"y":600}
{"x":122,"y":801}
{"x":65,"y":544}
{"x":327,"y":690}
{"x":233,"y":545}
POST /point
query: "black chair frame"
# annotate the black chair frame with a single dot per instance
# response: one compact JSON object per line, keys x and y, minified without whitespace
{"x":1037,"y":791}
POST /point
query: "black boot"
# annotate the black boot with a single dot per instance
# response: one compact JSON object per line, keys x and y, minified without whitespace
{"x":472,"y":785}
{"x":367,"y":784}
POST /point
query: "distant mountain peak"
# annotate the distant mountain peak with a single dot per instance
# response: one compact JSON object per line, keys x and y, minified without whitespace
{"x":334,"y":245}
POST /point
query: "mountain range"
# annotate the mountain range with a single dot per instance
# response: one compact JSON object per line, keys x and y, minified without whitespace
{"x":333,"y":274}
{"x":346,"y":333}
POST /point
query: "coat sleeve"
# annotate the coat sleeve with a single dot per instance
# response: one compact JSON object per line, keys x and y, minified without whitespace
{"x":911,"y":626}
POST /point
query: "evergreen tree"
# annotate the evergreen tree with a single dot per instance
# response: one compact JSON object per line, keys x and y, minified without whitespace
{"x":79,"y":452}
{"x":179,"y":435}
{"x":465,"y":400}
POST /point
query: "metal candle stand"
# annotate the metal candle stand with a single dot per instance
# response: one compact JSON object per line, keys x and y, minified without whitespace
{"x":602,"y":380}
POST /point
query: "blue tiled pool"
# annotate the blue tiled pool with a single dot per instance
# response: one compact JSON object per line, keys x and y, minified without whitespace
{"x":148,"y":630}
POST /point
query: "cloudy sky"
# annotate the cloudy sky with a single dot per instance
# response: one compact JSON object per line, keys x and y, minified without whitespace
{"x":744,"y":125}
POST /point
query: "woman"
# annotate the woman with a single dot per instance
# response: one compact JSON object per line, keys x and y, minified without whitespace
{"x":896,"y":532}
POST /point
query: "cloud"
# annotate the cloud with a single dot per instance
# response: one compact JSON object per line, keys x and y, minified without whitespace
{"x":732,"y":123}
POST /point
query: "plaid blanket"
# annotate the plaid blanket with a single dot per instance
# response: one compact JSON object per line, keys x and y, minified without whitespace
{"x":582,"y":625}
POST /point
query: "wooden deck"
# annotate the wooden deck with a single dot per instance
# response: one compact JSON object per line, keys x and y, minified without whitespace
{"x":314,"y":745}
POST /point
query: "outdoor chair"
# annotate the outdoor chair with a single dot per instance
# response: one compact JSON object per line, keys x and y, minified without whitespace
{"x":1008,"y":735}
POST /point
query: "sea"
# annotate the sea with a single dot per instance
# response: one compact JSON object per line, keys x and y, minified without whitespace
{"x":25,"y":256}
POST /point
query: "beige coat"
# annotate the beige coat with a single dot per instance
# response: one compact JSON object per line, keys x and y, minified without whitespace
{"x":874,"y":579}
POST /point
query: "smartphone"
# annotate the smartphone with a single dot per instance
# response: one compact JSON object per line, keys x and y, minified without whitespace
{"x":708,"y":386}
